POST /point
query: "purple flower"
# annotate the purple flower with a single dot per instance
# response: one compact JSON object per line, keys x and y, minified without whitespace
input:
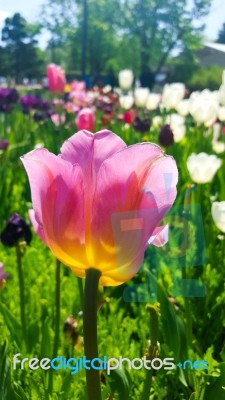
{"x":141,"y":125}
{"x":4,"y":144}
{"x":166,"y":138}
{"x":16,"y":229}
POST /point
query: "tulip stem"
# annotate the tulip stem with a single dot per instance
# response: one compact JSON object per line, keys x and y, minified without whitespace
{"x":153,"y":310}
{"x":90,"y":332}
{"x":22,"y":294}
{"x":81,"y":292}
{"x":57,"y":322}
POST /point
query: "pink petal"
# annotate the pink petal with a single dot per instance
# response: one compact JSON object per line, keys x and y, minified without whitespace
{"x":58,"y":202}
{"x":37,"y":227}
{"x":89,"y":150}
{"x":129,"y":203}
{"x":159,"y":236}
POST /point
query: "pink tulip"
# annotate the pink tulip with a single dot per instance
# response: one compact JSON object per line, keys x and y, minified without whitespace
{"x":56,"y":78}
{"x":86,"y":119}
{"x":99,"y":203}
{"x":58,"y":119}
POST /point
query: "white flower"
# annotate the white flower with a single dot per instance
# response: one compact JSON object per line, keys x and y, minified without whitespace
{"x":107,"y":89}
{"x":153,"y":101}
{"x":140,"y":96}
{"x":218,"y":214}
{"x":172,"y":95}
{"x":157,"y":121}
{"x":126,"y":102}
{"x":177,"y":125}
{"x":221,"y":113}
{"x":126,"y":78}
{"x":218,"y":147}
{"x":183,"y":107}
{"x":202,"y":167}
{"x":204,"y":108}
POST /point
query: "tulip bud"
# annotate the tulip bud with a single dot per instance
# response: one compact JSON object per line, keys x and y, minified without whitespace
{"x":126,"y":78}
{"x":141,"y":96}
{"x":141,"y":125}
{"x":166,"y":138}
{"x":16,"y":230}
{"x":4,"y":144}
{"x":218,"y":214}
{"x":202,"y":167}
{"x":86,"y":119}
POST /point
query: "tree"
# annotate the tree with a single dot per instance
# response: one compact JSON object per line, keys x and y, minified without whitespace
{"x":221,"y":35}
{"x":162,"y":27}
{"x":24,"y":58}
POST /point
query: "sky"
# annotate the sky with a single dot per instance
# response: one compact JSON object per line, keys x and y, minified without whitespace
{"x":31,"y":8}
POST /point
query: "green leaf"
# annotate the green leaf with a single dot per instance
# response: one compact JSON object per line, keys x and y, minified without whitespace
{"x":216,"y":386}
{"x":119,"y":382}
{"x":12,"y":324}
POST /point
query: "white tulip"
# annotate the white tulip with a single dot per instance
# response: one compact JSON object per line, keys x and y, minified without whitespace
{"x":183,"y":107}
{"x":202,"y":167}
{"x":126,"y":102}
{"x":140,"y":96}
{"x":157,"y":121}
{"x":177,"y":125}
{"x":218,"y":147}
{"x":126,"y":78}
{"x":172,"y":95}
{"x":218,"y":214}
{"x":204,"y":108}
{"x":153,"y":101}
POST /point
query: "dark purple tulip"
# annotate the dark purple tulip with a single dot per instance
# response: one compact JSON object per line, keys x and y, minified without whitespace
{"x":29,"y":102}
{"x":16,"y":229}
{"x":4,"y":144}
{"x":141,"y":125}
{"x":166,"y":137}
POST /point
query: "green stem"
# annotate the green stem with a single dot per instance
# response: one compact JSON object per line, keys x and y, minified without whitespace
{"x":153,"y":327}
{"x":90,"y":332}
{"x":81,"y":292}
{"x":22,"y":294}
{"x":57,"y":322}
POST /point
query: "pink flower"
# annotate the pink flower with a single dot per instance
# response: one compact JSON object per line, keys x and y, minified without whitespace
{"x":86,"y":119}
{"x":58,"y":119}
{"x":99,"y":203}
{"x":56,"y":78}
{"x":78,"y":86}
{"x":3,"y":275}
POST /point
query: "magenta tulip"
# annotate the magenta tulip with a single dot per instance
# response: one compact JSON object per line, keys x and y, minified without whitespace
{"x":86,"y":119}
{"x":56,"y":78}
{"x":99,"y":203}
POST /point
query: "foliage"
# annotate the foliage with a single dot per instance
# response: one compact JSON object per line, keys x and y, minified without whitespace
{"x":20,"y":57}
{"x":209,"y":77}
{"x":221,"y":35}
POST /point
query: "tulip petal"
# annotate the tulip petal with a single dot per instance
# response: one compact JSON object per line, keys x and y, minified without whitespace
{"x":37,"y":227}
{"x":129,"y":204}
{"x":89,"y":150}
{"x":58,"y":202}
{"x":160,"y":236}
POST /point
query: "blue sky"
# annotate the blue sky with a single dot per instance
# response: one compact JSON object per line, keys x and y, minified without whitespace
{"x":30,"y":10}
